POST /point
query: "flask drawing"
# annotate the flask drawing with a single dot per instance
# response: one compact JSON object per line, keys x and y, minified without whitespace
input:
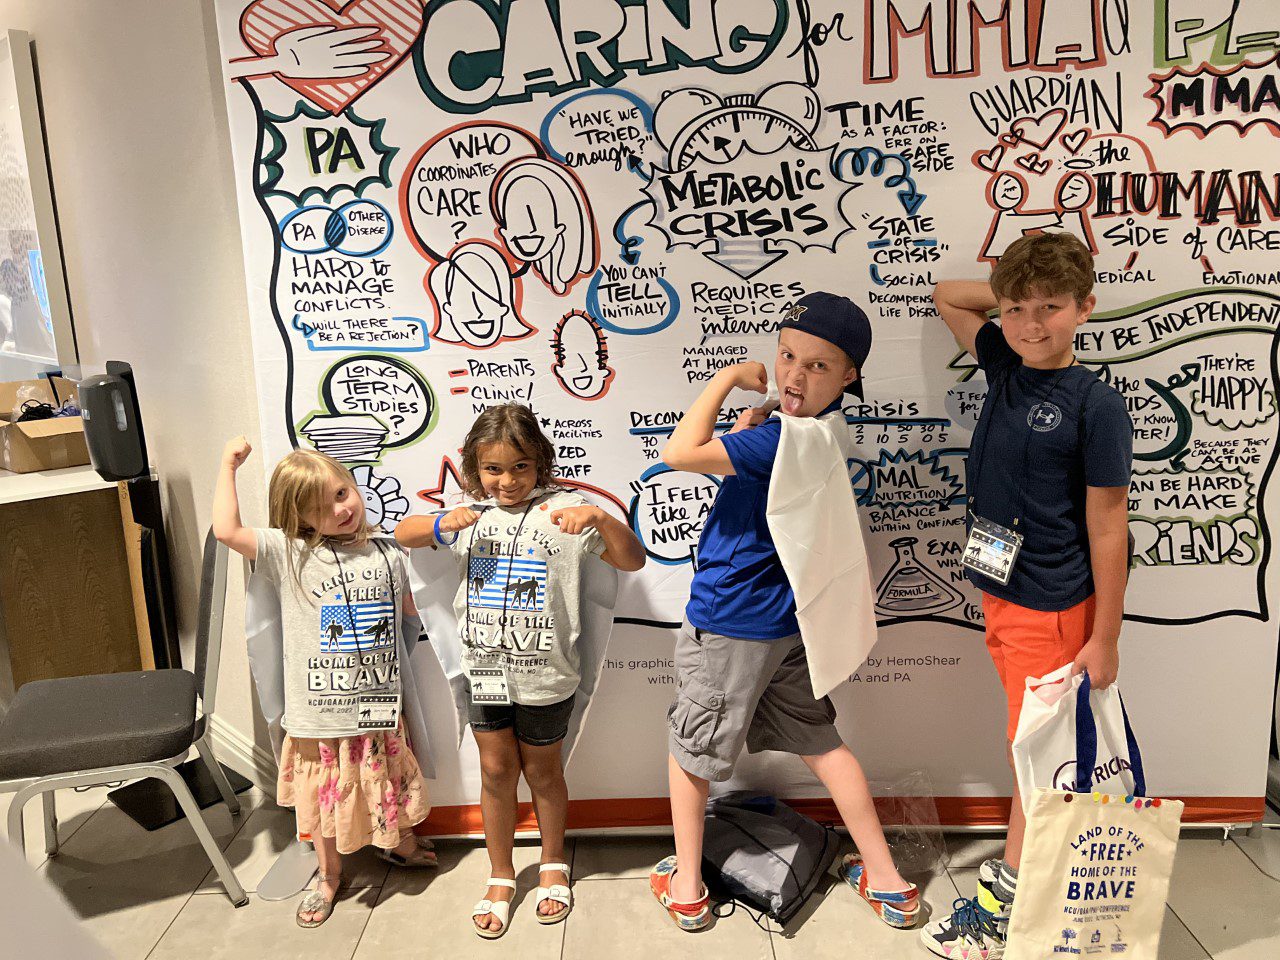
{"x":911,"y":588}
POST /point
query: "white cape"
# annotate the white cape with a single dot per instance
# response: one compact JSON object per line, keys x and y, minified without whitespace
{"x":264,"y":632}
{"x":813,"y":519}
{"x":434,"y":579}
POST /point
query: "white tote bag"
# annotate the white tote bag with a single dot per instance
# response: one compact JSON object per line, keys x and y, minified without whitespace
{"x":1057,"y":710}
{"x":1095,"y":868}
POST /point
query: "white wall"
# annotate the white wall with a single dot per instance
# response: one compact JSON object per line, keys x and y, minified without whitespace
{"x":141,"y":162}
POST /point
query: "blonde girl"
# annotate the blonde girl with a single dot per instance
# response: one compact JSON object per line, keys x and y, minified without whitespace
{"x":346,"y":766}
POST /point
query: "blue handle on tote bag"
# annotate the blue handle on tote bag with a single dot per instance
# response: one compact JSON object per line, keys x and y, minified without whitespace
{"x":1087,"y":743}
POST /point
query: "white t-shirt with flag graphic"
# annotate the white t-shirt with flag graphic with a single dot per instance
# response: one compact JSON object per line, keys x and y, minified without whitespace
{"x":520,"y":600}
{"x":340,"y":628}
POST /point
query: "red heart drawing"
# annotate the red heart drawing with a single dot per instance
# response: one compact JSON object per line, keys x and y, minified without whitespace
{"x":1033,"y":163}
{"x":1010,"y":140}
{"x":1074,"y":141}
{"x":1040,"y":131}
{"x":399,"y":22}
{"x":991,"y":159}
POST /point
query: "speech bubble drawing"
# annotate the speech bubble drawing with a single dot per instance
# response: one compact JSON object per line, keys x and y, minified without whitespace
{"x":606,"y":128}
{"x":314,"y":156}
{"x":1207,"y":97}
{"x":361,"y":228}
{"x":963,"y":403}
{"x":632,"y":300}
{"x":378,"y":334}
{"x":1197,"y":495}
{"x":384,"y":387}
{"x":444,"y":195}
{"x":1239,"y":396}
{"x":668,"y":510}
{"x":744,"y":211}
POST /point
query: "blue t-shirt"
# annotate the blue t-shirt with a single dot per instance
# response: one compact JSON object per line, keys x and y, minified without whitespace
{"x":1043,"y":437}
{"x":740,"y":589}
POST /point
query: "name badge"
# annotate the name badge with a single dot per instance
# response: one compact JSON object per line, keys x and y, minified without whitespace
{"x":489,"y":685}
{"x":992,"y":550}
{"x":377,"y":711}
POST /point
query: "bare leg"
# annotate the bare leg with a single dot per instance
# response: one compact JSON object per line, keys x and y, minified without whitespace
{"x":842,"y":775}
{"x":1017,"y":822}
{"x":330,"y":862}
{"x":688,"y":814}
{"x":544,"y":772}
{"x":499,"y":774}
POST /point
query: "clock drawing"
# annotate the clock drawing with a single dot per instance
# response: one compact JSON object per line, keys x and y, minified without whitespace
{"x":693,"y":123}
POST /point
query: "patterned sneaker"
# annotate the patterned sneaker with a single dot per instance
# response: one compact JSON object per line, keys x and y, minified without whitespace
{"x":897,"y":908}
{"x":976,"y":928}
{"x":687,"y":916}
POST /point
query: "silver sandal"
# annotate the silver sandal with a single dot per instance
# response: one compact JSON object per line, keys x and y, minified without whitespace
{"x":316,"y":902}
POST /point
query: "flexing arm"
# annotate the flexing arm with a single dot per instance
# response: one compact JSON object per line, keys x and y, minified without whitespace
{"x":963,"y":306}
{"x":1107,"y":520}
{"x":421,"y":531}
{"x":693,"y":445}
{"x":622,"y":549}
{"x":226,"y":503}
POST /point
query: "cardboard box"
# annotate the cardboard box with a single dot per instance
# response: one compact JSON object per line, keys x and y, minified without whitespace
{"x":40,"y":444}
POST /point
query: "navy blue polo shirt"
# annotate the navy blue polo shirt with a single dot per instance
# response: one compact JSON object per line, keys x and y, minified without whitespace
{"x":1042,"y":438}
{"x":740,"y":589}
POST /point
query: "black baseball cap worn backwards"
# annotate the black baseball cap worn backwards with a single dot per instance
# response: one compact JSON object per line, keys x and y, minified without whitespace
{"x":839,"y":321}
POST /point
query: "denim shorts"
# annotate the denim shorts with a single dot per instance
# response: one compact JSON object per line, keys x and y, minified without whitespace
{"x":536,"y":726}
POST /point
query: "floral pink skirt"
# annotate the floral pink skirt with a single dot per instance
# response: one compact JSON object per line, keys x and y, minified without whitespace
{"x":359,"y":790}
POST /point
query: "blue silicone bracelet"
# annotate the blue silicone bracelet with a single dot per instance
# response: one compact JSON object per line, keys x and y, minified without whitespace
{"x":440,"y":536}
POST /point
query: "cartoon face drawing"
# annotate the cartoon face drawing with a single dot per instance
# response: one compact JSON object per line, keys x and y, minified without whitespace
{"x":475,"y":295}
{"x":384,"y":504}
{"x":582,"y":357}
{"x":1075,"y":191}
{"x":544,"y":220}
{"x":1008,"y":190}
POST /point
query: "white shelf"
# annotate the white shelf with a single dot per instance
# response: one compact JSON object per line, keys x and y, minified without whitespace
{"x":17,"y":487}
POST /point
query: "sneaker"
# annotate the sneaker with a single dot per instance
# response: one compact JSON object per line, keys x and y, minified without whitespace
{"x":976,"y":928}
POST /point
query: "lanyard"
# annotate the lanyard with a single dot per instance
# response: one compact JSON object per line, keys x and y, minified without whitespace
{"x":511,"y":556}
{"x":342,"y":579}
{"x":1003,"y":387}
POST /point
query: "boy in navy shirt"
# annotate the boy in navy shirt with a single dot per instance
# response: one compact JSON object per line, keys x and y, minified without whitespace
{"x":1049,"y":463}
{"x":741,"y":669}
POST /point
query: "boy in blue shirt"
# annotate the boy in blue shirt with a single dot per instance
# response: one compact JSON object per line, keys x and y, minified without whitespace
{"x":1049,"y":468}
{"x":741,"y":668}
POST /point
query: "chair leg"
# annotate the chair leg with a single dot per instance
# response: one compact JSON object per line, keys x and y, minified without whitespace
{"x":50,"y":823}
{"x":228,"y":876}
{"x":17,"y":832}
{"x":215,"y":770}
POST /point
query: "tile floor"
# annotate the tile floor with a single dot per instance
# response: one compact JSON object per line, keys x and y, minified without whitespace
{"x":148,"y":896}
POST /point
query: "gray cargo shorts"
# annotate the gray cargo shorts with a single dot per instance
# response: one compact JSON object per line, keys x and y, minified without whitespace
{"x":731,"y":691}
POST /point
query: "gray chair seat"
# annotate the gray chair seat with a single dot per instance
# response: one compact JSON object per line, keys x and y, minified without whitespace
{"x":81,"y":723}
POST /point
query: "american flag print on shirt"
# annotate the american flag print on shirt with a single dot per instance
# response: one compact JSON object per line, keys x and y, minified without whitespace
{"x":516,"y":583}
{"x":374,"y":626}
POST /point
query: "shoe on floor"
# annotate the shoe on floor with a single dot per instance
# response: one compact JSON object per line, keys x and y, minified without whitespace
{"x":687,"y":916}
{"x":976,"y":928}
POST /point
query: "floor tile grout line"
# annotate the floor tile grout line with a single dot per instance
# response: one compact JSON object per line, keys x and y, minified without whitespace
{"x":367,"y":917}
{"x":1190,"y":932}
{"x":169,"y":926}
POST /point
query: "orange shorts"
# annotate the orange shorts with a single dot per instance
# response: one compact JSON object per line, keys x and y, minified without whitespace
{"x":1030,"y":643}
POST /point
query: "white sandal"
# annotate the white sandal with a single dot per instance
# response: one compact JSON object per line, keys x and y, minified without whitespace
{"x":499,"y":908}
{"x":557,"y":892}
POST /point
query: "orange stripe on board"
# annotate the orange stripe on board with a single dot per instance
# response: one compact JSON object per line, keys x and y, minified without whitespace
{"x":952,"y":812}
